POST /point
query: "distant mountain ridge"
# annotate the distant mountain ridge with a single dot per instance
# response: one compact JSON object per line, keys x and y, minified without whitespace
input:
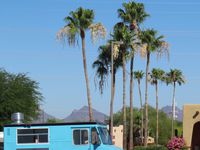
{"x":179,"y":112}
{"x":81,"y":115}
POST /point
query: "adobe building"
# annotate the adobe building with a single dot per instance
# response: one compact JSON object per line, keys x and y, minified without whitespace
{"x":118,"y":136}
{"x":191,"y":125}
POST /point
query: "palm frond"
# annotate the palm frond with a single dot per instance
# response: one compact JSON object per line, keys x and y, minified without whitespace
{"x":67,"y":34}
{"x":97,"y":31}
{"x":101,"y":74}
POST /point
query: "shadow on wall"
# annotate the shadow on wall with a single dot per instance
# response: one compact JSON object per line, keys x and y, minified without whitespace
{"x":195,"y":143}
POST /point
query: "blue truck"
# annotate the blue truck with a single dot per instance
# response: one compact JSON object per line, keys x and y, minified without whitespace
{"x":59,"y":136}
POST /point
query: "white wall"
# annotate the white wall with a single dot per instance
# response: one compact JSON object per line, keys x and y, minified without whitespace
{"x":1,"y":136}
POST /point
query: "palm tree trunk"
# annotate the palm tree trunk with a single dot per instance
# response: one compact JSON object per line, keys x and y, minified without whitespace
{"x":124,"y":101}
{"x":146,"y":100}
{"x":157,"y":114}
{"x":111,"y":107}
{"x":131,"y":105}
{"x":86,"y":76}
{"x":174,"y":90}
{"x":142,"y":111}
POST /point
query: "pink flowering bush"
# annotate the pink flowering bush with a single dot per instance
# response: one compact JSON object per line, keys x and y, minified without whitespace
{"x":176,"y":143}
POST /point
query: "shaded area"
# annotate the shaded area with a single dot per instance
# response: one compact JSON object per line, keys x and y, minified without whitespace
{"x":196,"y":136}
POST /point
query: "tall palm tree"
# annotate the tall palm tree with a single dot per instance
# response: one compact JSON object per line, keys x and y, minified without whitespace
{"x":173,"y":77}
{"x":138,"y":75}
{"x":156,"y":76}
{"x":77,"y":23}
{"x":133,"y":14}
{"x":103,"y":66}
{"x":151,"y":43}
{"x":123,"y":33}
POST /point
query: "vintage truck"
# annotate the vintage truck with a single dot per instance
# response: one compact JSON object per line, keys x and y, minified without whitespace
{"x":58,"y":136}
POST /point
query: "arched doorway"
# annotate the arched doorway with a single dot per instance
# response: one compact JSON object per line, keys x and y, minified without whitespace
{"x":195,"y":143}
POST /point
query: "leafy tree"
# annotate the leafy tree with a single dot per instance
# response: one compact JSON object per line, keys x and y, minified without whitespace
{"x":156,"y":76}
{"x":77,"y":23}
{"x":151,"y":42}
{"x":173,"y":77}
{"x":164,"y":134}
{"x":133,"y":14}
{"x":138,"y":75}
{"x":54,"y":121}
{"x":18,"y":93}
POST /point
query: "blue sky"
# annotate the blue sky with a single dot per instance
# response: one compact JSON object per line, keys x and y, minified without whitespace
{"x":28,"y":44}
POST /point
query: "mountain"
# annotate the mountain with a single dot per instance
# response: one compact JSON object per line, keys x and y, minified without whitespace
{"x":179,"y":112}
{"x":81,"y":115}
{"x":43,"y":117}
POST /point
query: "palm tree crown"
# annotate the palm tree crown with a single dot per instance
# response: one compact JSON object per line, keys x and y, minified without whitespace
{"x":156,"y":75}
{"x":138,"y":75}
{"x":151,"y":42}
{"x":103,"y":65}
{"x":133,"y":13}
{"x":77,"y":23}
{"x":175,"y":76}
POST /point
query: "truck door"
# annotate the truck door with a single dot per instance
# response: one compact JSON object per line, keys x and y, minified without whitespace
{"x":95,"y":141}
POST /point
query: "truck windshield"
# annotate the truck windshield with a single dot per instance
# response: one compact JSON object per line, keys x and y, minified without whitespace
{"x":105,"y":137}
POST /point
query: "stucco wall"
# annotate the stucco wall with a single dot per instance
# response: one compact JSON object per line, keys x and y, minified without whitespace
{"x":118,"y":136}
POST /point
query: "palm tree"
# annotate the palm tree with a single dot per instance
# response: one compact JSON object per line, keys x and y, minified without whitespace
{"x":138,"y":75}
{"x":156,"y":76}
{"x":173,"y":77}
{"x":122,"y":33}
{"x":151,"y":43}
{"x":103,"y":65}
{"x":77,"y":23}
{"x":133,"y":14}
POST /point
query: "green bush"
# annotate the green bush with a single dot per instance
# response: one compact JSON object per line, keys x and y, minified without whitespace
{"x":150,"y":148}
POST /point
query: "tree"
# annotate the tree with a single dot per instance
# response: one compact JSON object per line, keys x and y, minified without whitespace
{"x":156,"y":76}
{"x":133,"y":14}
{"x":138,"y":75}
{"x":151,"y":42}
{"x":173,"y":77}
{"x":164,"y":135}
{"x":122,"y":33}
{"x":53,"y":120}
{"x":18,"y":93}
{"x":78,"y":22}
{"x":103,"y":67}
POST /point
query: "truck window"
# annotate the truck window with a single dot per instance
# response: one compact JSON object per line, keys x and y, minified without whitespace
{"x":32,"y":136}
{"x":80,"y":136}
{"x":105,"y":137}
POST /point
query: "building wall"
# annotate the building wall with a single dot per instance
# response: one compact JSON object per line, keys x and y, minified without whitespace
{"x":118,"y":136}
{"x":190,"y":117}
{"x":1,"y":137}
